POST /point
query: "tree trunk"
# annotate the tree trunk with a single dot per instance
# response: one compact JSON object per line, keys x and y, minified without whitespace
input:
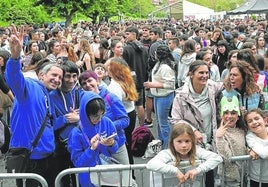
{"x":94,"y":17}
{"x":68,"y":20}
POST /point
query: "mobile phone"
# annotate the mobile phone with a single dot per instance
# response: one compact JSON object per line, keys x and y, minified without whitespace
{"x":111,"y":136}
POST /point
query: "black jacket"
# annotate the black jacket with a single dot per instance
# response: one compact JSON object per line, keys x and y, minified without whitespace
{"x":136,"y":55}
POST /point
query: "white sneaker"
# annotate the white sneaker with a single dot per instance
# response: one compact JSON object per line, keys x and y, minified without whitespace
{"x":217,"y":182}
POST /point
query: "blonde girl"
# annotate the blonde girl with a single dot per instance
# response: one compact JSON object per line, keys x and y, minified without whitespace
{"x":182,"y":147}
{"x":86,"y":56}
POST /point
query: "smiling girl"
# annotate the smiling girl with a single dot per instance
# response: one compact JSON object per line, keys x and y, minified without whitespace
{"x":257,"y":140}
{"x":182,"y":147}
{"x":230,"y":140}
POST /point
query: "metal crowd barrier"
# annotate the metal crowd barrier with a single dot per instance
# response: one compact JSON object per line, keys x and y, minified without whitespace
{"x":157,"y":179}
{"x":244,"y":170}
{"x":98,"y":170}
{"x":163,"y":180}
{"x":23,"y":176}
{"x":166,"y":180}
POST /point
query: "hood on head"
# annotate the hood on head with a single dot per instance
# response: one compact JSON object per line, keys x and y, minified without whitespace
{"x":86,"y":97}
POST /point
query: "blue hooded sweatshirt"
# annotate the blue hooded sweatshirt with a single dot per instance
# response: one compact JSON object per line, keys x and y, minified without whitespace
{"x":78,"y":146}
{"x":116,"y":111}
{"x":62,"y":102}
{"x":30,"y":107}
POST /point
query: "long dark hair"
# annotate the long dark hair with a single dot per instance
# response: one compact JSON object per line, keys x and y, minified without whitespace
{"x":164,"y":56}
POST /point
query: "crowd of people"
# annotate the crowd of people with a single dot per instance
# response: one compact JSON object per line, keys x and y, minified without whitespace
{"x":206,"y":83}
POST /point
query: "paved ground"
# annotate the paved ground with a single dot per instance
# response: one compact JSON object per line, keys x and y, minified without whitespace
{"x":6,"y":182}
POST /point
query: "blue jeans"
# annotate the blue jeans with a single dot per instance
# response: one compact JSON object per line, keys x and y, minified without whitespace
{"x":162,"y":107}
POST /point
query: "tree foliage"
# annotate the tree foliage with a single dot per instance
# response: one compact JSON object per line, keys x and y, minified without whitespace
{"x":22,"y":12}
{"x":41,"y":11}
{"x":219,"y":5}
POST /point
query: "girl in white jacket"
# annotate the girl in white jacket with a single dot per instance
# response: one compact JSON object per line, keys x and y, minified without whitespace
{"x":182,"y":147}
{"x":257,"y":140}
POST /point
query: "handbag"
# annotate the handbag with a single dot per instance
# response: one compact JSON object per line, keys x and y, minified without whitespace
{"x":17,"y":158}
{"x":111,"y":178}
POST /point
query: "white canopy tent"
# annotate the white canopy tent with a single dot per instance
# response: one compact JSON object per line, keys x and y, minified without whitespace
{"x":195,"y":11}
{"x":186,"y":10}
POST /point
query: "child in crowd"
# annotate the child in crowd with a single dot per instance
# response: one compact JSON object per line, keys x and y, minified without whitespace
{"x":230,"y":140}
{"x":182,"y":147}
{"x":89,"y":139}
{"x":257,"y":140}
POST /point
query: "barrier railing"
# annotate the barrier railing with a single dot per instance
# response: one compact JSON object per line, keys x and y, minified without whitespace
{"x":98,"y":170}
{"x":23,"y":176}
{"x":165,"y":180}
{"x":244,"y":159}
{"x":142,"y":178}
{"x":244,"y":177}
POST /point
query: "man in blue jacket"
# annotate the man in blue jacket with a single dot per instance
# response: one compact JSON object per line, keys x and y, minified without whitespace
{"x":30,"y":107}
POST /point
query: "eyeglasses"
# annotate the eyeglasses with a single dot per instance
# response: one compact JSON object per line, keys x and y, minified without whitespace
{"x":95,"y":117}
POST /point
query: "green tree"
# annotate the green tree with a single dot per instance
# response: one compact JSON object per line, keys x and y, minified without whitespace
{"x":102,"y":9}
{"x":91,"y":8}
{"x":219,"y":5}
{"x":22,"y":12}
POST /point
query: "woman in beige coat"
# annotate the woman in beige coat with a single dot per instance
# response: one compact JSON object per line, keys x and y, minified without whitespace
{"x":196,"y":103}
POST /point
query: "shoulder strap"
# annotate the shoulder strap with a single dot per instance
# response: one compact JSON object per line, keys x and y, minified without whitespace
{"x":82,"y":59}
{"x":77,"y":99}
{"x":41,"y":130}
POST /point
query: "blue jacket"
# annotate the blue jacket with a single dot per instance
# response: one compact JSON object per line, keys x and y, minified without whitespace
{"x":62,"y":102}
{"x":29,"y":110}
{"x":81,"y":154}
{"x":116,"y":112}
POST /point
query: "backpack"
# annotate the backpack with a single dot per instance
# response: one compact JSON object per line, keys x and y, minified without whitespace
{"x":141,"y":137}
{"x":4,"y":136}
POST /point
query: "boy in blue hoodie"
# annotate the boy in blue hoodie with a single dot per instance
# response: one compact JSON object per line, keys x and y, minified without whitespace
{"x":30,"y":107}
{"x":66,"y":101}
{"x":88,"y":140}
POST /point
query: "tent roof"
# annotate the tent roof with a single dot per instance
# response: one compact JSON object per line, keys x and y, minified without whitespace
{"x":251,"y":7}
